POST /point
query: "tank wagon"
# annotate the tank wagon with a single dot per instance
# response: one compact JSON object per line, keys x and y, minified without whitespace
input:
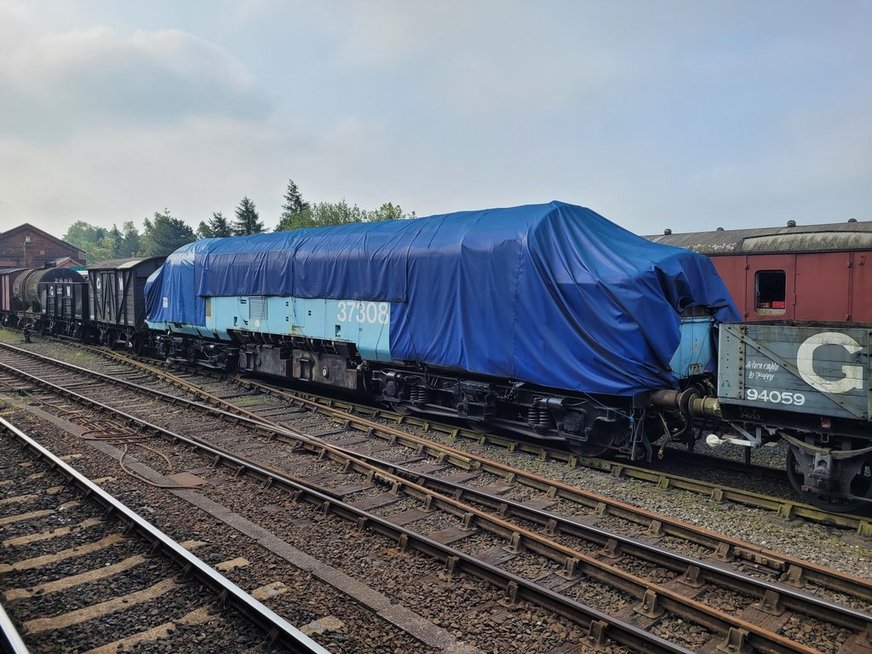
{"x":21,"y":303}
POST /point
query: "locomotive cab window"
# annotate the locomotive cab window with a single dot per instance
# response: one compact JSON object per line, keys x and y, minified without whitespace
{"x":771,"y":288}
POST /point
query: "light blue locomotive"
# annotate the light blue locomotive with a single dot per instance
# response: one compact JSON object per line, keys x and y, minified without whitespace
{"x":548,"y":320}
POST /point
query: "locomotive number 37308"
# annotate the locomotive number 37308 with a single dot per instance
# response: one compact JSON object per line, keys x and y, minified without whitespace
{"x":363,"y":312}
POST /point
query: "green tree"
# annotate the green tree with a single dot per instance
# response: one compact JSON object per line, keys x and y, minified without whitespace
{"x":293,"y":200}
{"x":216,"y":226}
{"x":130,"y":242}
{"x":107,"y":247}
{"x":295,"y":212}
{"x":164,"y":234}
{"x":388,"y":211}
{"x":247,"y":221}
{"x":219,"y":225}
{"x":336,"y":213}
{"x":87,"y":237}
{"x":290,"y":222}
{"x":323,"y":214}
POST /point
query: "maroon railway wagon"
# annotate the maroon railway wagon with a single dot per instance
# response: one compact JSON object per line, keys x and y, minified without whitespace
{"x":8,"y":302}
{"x":808,"y":272}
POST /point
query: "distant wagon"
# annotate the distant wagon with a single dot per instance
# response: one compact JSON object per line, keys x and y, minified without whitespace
{"x":64,"y":305}
{"x":796,"y":272}
{"x":20,"y":301}
{"x":117,"y":300}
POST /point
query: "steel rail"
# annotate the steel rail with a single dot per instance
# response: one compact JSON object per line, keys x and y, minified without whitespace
{"x":783,"y":507}
{"x":517,"y":587}
{"x":277,"y":628}
{"x":727,"y":548}
{"x":786,"y":508}
{"x":694,"y":570}
{"x":10,"y":639}
{"x":653,"y":596}
{"x":796,"y":569}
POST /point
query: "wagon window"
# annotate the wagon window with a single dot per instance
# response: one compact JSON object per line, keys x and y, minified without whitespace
{"x":771,"y":291}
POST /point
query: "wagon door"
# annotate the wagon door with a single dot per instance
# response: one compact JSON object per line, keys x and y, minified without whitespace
{"x":861,"y":286}
{"x":823,"y":290}
{"x":771,"y":287}
{"x":68,"y":308}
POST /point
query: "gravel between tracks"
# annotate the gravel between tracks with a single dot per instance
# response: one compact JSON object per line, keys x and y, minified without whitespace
{"x":406,"y":577}
{"x":828,"y":546}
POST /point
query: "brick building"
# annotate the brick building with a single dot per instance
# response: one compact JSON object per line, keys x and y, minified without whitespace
{"x":27,"y":246}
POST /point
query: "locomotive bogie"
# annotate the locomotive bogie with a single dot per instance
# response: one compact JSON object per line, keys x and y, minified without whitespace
{"x":589,"y":425}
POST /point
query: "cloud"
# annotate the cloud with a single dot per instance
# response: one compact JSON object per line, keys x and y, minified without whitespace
{"x":194,"y":166}
{"x":684,"y":115}
{"x":55,"y":84}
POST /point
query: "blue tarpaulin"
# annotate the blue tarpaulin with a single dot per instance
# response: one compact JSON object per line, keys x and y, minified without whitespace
{"x":551,"y":294}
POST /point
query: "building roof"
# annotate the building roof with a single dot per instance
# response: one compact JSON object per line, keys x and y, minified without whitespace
{"x":28,"y":227}
{"x":67,"y":262}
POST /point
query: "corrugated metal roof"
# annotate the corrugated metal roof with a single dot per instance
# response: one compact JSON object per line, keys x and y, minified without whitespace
{"x":800,"y":238}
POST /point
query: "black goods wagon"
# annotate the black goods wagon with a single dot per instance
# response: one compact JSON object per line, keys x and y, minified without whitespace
{"x":25,"y":301}
{"x":65,"y":305}
{"x":116,"y":291}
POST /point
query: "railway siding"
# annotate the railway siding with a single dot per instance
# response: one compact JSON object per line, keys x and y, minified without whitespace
{"x":56,"y":585}
{"x":653,"y":597}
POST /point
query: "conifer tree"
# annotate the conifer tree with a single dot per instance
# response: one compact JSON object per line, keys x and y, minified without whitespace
{"x":247,"y":221}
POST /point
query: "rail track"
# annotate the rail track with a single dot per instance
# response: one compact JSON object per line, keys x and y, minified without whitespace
{"x":84,"y":568}
{"x":571,"y":553}
{"x":366,"y":417}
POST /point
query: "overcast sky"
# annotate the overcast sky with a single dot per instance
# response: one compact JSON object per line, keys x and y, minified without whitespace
{"x":689,"y":115}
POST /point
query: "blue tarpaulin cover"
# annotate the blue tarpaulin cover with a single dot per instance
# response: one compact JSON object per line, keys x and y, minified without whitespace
{"x":551,"y":294}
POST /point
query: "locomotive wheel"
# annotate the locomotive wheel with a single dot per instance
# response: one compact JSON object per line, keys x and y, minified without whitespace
{"x":479,"y":427}
{"x":401,"y":409}
{"x":861,"y":486}
{"x":589,"y":450}
{"x":135,"y":344}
